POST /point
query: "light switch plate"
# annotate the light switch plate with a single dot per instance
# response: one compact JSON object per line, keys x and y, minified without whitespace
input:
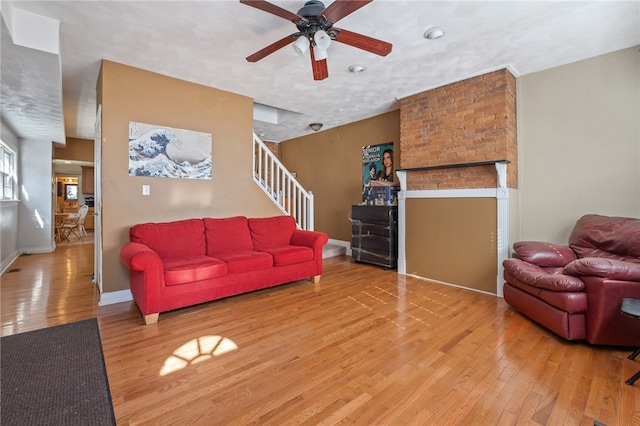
{"x":146,"y":190}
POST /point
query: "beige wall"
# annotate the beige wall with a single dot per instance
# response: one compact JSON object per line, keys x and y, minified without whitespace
{"x":579,"y":143}
{"x":329,"y":164}
{"x":130,"y":94}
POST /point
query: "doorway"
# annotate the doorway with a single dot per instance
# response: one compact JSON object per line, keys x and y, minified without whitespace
{"x":69,"y":197}
{"x":78,"y":159}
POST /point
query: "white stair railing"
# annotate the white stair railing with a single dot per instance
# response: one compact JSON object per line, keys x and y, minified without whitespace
{"x":280,"y":185}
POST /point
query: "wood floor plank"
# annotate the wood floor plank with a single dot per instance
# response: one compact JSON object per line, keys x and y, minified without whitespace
{"x":364,"y":346}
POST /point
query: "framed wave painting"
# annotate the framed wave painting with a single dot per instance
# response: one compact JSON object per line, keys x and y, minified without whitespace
{"x":158,"y":151}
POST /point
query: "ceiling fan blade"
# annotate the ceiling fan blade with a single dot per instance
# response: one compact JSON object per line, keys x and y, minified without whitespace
{"x":341,"y":8}
{"x":320,"y":69}
{"x":272,"y":48}
{"x":363,"y":42}
{"x":273,"y":9}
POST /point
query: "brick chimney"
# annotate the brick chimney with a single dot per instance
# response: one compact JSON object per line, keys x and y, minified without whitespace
{"x":470,"y":121}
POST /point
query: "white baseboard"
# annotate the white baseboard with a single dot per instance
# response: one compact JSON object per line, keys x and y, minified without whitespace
{"x":115,"y":297}
{"x":33,"y":250}
{"x":9,"y":261}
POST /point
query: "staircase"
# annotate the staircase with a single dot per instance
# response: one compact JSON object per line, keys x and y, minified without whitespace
{"x":286,"y":192}
{"x":280,"y":185}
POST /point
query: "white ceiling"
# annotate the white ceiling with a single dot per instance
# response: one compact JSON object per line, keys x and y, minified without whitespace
{"x":206,"y":42}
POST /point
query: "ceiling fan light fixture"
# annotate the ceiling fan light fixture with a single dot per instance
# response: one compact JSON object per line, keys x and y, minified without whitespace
{"x":315,"y":126}
{"x":434,"y":33}
{"x":315,"y":22}
{"x":322,"y":39}
{"x":319,"y":54}
{"x":301,"y":45}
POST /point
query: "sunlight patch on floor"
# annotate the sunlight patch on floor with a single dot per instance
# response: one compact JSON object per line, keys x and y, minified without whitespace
{"x":197,"y":350}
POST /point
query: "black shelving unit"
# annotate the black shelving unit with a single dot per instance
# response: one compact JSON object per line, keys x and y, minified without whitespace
{"x":374,"y":235}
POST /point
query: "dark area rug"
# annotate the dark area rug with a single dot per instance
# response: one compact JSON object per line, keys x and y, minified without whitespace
{"x":55,"y":376}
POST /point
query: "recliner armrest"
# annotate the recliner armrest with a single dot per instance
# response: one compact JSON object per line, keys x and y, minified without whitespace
{"x":538,"y":277}
{"x":605,"y":268}
{"x":543,"y":254}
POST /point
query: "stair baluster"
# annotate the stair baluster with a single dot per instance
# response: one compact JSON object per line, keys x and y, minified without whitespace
{"x":280,"y":185}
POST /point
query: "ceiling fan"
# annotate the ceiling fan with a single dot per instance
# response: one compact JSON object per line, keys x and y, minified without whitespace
{"x":316,"y":31}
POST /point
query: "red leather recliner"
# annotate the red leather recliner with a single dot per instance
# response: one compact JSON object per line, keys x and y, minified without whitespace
{"x":576,"y":291}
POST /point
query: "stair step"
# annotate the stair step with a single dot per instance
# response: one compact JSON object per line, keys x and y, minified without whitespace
{"x":333,"y":250}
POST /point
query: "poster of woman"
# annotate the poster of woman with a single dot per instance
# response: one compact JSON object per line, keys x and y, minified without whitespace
{"x":377,"y":163}
{"x":377,"y":171}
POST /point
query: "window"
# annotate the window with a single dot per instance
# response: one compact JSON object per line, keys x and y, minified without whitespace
{"x":8,"y":172}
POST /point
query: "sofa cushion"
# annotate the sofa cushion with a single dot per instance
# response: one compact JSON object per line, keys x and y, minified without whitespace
{"x":538,"y":277}
{"x":179,"y":239}
{"x":288,"y":255}
{"x":189,"y":269}
{"x":610,"y":237}
{"x":227,"y":235}
{"x":271,"y":232}
{"x":246,"y":261}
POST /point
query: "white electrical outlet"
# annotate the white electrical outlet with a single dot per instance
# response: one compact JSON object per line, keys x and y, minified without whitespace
{"x":146,"y":190}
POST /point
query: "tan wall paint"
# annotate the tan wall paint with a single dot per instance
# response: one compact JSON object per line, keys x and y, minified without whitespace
{"x":579,"y":143}
{"x":75,"y":149}
{"x":329,"y":163}
{"x":446,"y":243}
{"x":130,"y":94}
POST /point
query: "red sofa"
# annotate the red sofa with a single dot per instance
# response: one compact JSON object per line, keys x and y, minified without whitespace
{"x":183,"y":263}
{"x":576,"y":291}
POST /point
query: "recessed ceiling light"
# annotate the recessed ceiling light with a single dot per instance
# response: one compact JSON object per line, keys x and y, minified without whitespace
{"x":434,"y":33}
{"x":356,"y":68}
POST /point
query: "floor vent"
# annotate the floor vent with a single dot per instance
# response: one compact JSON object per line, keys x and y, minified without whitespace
{"x":13,"y":270}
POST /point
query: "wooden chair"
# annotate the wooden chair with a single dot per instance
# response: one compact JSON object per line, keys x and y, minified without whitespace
{"x":631,"y":307}
{"x":59,"y":220}
{"x":81,"y":224}
{"x":74,"y":224}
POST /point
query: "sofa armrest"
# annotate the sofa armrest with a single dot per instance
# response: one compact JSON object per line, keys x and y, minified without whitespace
{"x":543,"y":254}
{"x":146,"y":278}
{"x":312,"y":239}
{"x":139,"y":257}
{"x":605,"y":268}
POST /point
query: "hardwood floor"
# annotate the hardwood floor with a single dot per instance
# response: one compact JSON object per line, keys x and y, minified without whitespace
{"x":364,"y":346}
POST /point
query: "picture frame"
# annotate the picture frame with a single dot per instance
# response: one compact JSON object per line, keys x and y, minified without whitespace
{"x":169,"y":152}
{"x":71,"y":192}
